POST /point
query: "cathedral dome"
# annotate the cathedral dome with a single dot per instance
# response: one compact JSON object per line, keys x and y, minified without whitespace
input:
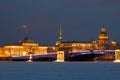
{"x":103,"y":34}
{"x":103,"y":37}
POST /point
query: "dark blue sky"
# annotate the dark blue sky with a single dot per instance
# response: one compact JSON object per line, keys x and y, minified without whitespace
{"x":81,"y":19}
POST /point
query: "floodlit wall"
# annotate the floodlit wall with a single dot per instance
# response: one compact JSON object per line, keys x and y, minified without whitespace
{"x":2,"y":53}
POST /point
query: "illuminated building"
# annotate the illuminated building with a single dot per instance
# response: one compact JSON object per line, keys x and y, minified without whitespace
{"x":74,"y":46}
{"x":103,"y":37}
{"x":23,"y":47}
{"x":2,"y":52}
{"x":27,"y":46}
{"x":104,"y":43}
{"x":51,"y":49}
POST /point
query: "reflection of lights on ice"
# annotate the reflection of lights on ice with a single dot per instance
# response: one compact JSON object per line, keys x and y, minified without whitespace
{"x":30,"y":58}
{"x":59,"y":61}
{"x":116,"y":60}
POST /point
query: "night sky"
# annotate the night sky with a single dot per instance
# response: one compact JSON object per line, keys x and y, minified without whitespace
{"x":81,"y":20}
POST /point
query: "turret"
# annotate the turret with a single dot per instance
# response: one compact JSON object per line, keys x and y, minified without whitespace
{"x":103,"y":29}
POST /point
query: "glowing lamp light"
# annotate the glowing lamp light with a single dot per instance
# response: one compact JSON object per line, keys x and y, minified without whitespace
{"x":24,"y":53}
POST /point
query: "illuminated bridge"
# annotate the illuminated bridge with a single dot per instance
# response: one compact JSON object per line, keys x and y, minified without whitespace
{"x":86,"y":54}
{"x":111,"y":52}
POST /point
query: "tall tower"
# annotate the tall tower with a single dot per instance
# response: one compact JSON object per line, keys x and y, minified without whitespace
{"x":60,"y":40}
{"x":60,"y":37}
{"x":103,"y":37}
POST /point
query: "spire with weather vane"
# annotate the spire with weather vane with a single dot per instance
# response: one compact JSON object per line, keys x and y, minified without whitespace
{"x":60,"y":36}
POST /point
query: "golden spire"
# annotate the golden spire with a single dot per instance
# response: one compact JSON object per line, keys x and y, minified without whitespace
{"x":103,"y":29}
{"x":60,"y":37}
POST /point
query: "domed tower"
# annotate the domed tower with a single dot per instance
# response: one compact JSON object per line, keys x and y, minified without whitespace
{"x":103,"y":37}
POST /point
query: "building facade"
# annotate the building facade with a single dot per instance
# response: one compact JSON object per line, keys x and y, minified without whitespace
{"x":27,"y":46}
{"x":78,"y":46}
{"x":75,"y":46}
{"x":103,"y":43}
{"x":22,"y":48}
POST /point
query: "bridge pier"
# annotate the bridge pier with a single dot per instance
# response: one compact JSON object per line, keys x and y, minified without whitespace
{"x":117,"y":55}
{"x":60,"y":56}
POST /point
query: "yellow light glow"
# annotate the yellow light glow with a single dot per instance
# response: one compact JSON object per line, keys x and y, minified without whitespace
{"x":13,"y":47}
{"x":24,"y":53}
{"x":30,"y":44}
